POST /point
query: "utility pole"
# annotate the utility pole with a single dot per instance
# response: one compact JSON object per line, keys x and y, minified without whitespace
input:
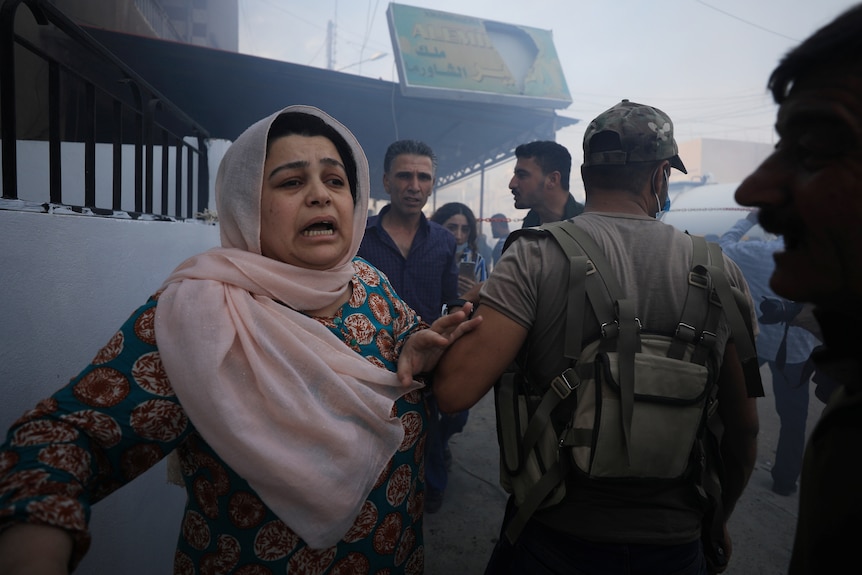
{"x":330,"y":39}
{"x":330,"y":45}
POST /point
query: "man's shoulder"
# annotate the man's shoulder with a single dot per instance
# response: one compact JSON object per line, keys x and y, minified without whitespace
{"x":372,"y":234}
{"x":531,"y":219}
{"x":376,"y":220}
{"x":434,"y":226}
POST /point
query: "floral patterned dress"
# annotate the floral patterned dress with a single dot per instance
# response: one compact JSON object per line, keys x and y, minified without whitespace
{"x":120,"y":416}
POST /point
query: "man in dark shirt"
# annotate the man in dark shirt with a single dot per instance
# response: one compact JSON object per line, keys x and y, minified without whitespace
{"x":541,"y":183}
{"x":418,"y":257}
{"x":500,"y":231}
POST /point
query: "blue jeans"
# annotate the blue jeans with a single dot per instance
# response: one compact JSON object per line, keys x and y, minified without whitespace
{"x":441,"y":427}
{"x":791,"y":404}
{"x":541,"y":550}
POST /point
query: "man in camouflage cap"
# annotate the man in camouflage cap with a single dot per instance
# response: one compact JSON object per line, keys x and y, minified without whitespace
{"x":629,"y":133}
{"x":623,"y":526}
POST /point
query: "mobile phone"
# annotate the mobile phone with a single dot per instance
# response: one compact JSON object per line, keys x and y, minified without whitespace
{"x":467,"y":269}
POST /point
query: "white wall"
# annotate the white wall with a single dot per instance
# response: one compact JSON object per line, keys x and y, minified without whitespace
{"x":68,"y":282}
{"x":723,"y":160}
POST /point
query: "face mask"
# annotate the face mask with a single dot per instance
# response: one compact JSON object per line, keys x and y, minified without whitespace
{"x":664,"y":208}
{"x":460,"y":248}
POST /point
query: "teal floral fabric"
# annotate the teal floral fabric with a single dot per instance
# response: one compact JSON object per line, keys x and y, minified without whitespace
{"x":120,"y":416}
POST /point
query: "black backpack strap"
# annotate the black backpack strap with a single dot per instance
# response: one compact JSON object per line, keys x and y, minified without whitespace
{"x":579,"y":267}
{"x":551,"y":478}
{"x":602,"y":290}
{"x":581,"y":273}
{"x":561,"y":389}
{"x":690,"y":329}
{"x":624,"y":313}
{"x":715,"y":313}
{"x":506,"y":396}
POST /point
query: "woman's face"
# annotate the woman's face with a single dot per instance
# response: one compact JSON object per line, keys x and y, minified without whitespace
{"x":459,"y":228}
{"x":306,"y":208}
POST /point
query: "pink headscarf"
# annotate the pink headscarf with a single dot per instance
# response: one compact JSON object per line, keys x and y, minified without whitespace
{"x":292,"y":409}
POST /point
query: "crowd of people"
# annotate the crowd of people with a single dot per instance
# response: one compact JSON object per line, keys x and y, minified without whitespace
{"x":306,"y":376}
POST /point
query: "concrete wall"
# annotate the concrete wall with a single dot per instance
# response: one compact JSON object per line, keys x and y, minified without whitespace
{"x":721,"y":160}
{"x":67,"y":283}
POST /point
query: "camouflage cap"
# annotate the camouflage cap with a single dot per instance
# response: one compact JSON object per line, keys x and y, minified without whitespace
{"x":628,"y":133}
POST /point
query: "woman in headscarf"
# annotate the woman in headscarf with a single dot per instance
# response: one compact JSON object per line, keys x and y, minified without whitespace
{"x":267,"y":365}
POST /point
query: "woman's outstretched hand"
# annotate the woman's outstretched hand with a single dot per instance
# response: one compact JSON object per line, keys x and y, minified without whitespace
{"x":423,"y":349}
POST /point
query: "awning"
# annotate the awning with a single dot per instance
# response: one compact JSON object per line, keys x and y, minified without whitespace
{"x":226,"y":92}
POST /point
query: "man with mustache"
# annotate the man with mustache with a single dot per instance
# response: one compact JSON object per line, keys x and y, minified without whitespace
{"x":810,"y":191}
{"x":418,"y":257}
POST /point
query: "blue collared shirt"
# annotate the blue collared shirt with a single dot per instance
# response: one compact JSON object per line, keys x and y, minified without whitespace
{"x":428,"y":277}
{"x":754,"y":258}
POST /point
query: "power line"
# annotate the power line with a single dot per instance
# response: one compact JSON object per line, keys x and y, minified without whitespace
{"x":280,"y":8}
{"x":744,"y":21}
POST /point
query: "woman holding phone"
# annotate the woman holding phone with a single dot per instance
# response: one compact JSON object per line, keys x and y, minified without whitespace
{"x":461,"y":223}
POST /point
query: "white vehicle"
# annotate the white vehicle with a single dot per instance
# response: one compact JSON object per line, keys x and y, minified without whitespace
{"x":706,"y":209}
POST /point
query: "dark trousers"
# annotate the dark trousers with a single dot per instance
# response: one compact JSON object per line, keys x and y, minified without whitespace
{"x":441,"y":427}
{"x":791,"y":404}
{"x":541,"y":550}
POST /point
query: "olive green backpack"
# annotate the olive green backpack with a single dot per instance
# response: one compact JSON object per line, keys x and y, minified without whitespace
{"x":636,"y":405}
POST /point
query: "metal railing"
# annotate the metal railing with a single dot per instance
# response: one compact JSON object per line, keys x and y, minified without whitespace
{"x":91,"y":97}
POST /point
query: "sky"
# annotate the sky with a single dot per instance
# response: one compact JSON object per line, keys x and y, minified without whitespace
{"x":703,"y":62}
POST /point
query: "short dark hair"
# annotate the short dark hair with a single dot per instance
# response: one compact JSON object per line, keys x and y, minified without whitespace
{"x":446,"y":211}
{"x":551,"y":157}
{"x":499,"y":223}
{"x":412,"y":147}
{"x":629,"y":177}
{"x":500,"y":219}
{"x":302,"y":124}
{"x":839,"y":43}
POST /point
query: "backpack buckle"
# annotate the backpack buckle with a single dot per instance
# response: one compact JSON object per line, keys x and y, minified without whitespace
{"x":561,"y":384}
{"x":612,"y":328}
{"x":686,"y":332}
{"x":698,"y":280}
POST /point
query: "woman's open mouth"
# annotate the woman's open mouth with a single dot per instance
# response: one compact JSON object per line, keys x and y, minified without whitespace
{"x":319,"y":229}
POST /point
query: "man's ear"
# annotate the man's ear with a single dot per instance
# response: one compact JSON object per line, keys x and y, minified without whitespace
{"x":658,"y":178}
{"x":386,"y":183}
{"x":553,"y":179}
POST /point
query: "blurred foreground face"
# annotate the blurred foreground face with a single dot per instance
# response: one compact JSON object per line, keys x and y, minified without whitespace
{"x":810,"y":189}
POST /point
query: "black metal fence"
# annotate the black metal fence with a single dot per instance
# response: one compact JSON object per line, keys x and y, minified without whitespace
{"x":61,"y":89}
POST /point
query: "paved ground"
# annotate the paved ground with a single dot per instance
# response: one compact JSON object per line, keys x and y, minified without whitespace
{"x":459,"y":538}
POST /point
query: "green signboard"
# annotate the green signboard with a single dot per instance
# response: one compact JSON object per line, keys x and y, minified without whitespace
{"x":446,"y":55}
